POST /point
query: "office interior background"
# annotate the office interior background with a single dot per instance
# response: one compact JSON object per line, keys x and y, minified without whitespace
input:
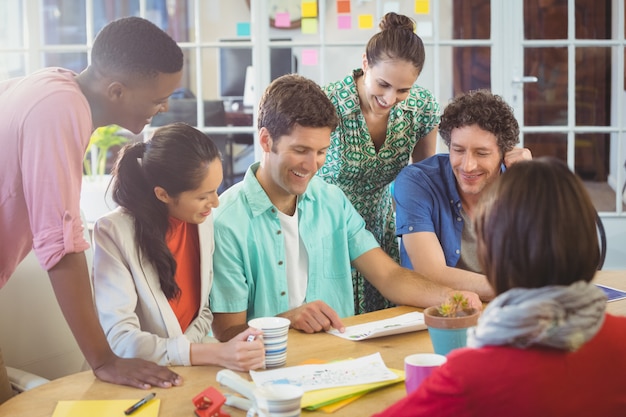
{"x":559,"y":63}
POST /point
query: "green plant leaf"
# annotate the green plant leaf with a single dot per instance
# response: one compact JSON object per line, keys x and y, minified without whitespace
{"x":103,"y":138}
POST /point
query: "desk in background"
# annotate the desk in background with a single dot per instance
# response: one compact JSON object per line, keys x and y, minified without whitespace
{"x":176,"y":402}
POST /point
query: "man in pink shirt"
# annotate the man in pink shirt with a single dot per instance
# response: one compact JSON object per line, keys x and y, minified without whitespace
{"x":45,"y":124}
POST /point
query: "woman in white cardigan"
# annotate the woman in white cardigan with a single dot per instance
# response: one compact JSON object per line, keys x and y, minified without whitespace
{"x":153,"y":266}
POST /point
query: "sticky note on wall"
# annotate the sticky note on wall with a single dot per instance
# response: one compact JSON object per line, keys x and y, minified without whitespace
{"x":309,"y":9}
{"x":343,"y":6}
{"x":309,"y":25}
{"x":366,"y":21}
{"x":422,"y":6}
{"x":243,"y":29}
{"x":309,"y":57}
{"x":344,"y":21}
{"x":282,"y":20}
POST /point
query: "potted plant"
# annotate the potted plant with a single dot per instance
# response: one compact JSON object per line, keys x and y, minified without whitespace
{"x":448,"y":323}
{"x":94,"y":200}
{"x":102,"y":140}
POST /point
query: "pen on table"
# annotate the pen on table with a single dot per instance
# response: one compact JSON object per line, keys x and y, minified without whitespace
{"x":139,"y":403}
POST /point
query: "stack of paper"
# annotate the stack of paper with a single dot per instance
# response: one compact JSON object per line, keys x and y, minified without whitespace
{"x":328,"y":384}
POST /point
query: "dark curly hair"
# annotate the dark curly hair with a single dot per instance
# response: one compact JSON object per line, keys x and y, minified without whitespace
{"x":396,"y":40}
{"x":134,"y":46}
{"x":485,"y":109}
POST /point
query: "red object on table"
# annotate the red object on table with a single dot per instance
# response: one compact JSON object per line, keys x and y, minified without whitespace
{"x":209,"y":402}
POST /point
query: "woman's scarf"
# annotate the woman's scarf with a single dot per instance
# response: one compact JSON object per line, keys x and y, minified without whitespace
{"x":563,"y":317}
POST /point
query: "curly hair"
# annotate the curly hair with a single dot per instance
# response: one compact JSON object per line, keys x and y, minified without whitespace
{"x":485,"y":109}
{"x":135,"y":47}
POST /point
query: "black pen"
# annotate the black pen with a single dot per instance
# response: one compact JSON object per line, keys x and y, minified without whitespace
{"x":139,"y":403}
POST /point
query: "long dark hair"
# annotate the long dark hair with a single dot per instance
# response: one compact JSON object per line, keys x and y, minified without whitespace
{"x":176,"y":159}
{"x":536,"y":226}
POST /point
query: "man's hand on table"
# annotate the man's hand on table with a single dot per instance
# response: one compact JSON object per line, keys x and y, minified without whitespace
{"x":313,"y":317}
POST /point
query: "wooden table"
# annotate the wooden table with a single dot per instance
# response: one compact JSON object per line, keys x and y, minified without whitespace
{"x":41,"y":401}
{"x":614,"y":279}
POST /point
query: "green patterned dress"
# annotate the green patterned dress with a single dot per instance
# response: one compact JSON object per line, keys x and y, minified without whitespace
{"x":365,"y":175}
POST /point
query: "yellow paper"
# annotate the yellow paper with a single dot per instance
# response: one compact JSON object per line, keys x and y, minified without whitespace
{"x":331,"y":408}
{"x":313,"y":400}
{"x":366,"y":21}
{"x":309,"y":9}
{"x":309,"y":25}
{"x":422,"y":6}
{"x":105,"y":408}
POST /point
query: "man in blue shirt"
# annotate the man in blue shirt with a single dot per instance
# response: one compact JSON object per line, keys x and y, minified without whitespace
{"x":285,"y":240}
{"x":435,"y":198}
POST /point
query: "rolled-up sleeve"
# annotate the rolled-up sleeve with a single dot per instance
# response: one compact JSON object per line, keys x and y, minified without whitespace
{"x":54,"y":144}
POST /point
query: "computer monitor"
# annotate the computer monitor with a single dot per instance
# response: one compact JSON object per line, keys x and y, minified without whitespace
{"x":235,"y":61}
{"x":186,"y":110}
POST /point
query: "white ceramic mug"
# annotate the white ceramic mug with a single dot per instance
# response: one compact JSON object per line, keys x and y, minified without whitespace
{"x":277,"y":400}
{"x":275,"y":332}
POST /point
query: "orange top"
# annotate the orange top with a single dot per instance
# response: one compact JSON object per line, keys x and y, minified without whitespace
{"x":182,"y":241}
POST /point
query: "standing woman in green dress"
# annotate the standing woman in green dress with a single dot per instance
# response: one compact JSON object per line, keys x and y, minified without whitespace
{"x":384,"y":120}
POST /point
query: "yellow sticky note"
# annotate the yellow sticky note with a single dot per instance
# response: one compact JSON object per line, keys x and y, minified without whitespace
{"x":422,"y":6}
{"x":366,"y":21}
{"x":309,"y":9}
{"x":309,"y":25}
{"x":104,"y":408}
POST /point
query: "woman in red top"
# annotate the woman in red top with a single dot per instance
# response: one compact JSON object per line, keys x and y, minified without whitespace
{"x":544,"y":346}
{"x":153,"y":255}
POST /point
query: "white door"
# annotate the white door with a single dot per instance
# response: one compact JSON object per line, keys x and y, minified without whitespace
{"x":560,"y":64}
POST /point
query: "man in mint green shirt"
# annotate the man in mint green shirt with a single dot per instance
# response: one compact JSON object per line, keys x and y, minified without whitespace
{"x":285,"y":241}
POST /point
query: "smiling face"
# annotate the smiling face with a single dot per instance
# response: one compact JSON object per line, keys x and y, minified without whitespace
{"x":475,"y":159}
{"x":289,"y":163}
{"x":386,"y":84}
{"x":194,"y":206}
{"x":135,"y":104}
